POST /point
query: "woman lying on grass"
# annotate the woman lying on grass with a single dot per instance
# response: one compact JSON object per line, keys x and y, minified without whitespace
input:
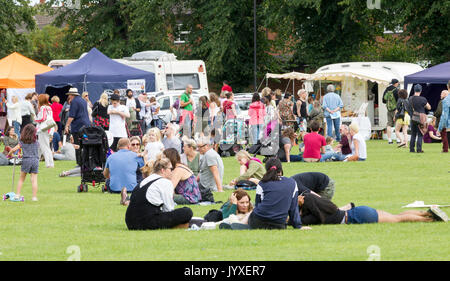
{"x":317,"y":210}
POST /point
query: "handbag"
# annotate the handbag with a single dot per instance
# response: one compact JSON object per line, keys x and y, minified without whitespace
{"x":419,"y":117}
{"x":48,"y":123}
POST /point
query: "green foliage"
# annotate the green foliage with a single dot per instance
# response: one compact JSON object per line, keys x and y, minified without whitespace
{"x":328,"y":31}
{"x":388,"y":48}
{"x":46,"y":44}
{"x":14,"y":15}
{"x":117,"y":28}
{"x":425,"y":25}
{"x":222,"y":32}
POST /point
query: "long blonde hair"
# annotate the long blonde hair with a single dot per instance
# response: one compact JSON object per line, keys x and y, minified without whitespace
{"x":103,"y":100}
{"x":155,"y":166}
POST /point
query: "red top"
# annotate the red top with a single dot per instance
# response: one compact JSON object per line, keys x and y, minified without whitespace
{"x":56,"y":108}
{"x":227,"y":88}
{"x":227,"y":109}
{"x":313,"y":142}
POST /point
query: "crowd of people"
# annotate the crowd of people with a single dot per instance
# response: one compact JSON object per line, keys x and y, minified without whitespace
{"x":178,"y":162}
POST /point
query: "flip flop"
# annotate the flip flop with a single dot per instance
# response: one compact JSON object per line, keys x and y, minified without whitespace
{"x":401,"y":145}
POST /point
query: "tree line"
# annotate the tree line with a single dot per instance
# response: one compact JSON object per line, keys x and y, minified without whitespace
{"x":290,"y":34}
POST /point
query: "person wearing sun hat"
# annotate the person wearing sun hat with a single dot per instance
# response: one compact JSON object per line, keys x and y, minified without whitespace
{"x":78,"y":117}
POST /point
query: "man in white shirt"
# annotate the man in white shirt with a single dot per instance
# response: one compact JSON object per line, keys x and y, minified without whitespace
{"x":117,"y":118}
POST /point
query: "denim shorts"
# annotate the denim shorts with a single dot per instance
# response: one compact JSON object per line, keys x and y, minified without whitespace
{"x":362,"y":214}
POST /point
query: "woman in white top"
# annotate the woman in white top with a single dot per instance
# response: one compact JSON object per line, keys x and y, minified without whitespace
{"x":27,"y":111}
{"x":358,"y":145}
{"x":45,"y":113}
{"x":151,"y":204}
{"x":14,"y":114}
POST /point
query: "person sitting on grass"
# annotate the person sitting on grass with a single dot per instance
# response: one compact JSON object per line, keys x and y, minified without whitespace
{"x":432,"y":135}
{"x":190,"y":157}
{"x":151,"y":204}
{"x":236,"y":210}
{"x":183,"y":179}
{"x":251,"y":170}
{"x":314,"y":144}
{"x":120,"y":169}
{"x":10,"y":140}
{"x":318,"y":210}
{"x":358,"y":145}
{"x":276,"y":202}
{"x":287,"y":142}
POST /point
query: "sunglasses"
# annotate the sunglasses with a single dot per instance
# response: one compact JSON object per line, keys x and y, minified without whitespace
{"x":135,"y":144}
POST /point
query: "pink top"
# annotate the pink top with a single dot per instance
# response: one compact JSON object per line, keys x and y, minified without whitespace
{"x":256,"y":111}
{"x":313,"y":142}
{"x":56,"y":108}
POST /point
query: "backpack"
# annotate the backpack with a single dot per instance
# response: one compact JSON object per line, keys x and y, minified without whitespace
{"x":391,"y":105}
{"x":401,"y":110}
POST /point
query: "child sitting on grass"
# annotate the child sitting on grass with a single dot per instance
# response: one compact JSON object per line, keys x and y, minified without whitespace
{"x":30,"y":161}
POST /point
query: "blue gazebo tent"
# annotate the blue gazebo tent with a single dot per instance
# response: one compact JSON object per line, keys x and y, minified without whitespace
{"x":433,"y":81}
{"x":93,"y":73}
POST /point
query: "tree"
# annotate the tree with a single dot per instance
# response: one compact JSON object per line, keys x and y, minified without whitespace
{"x":425,"y":26}
{"x":326,"y":31}
{"x":116,"y":27}
{"x":221,"y":33}
{"x":14,"y":15}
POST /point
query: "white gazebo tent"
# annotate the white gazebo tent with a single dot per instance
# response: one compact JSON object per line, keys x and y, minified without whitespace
{"x":357,"y":80}
{"x":291,"y":76}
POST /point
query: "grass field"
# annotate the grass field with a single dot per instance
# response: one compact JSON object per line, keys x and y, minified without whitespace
{"x":93,"y":223}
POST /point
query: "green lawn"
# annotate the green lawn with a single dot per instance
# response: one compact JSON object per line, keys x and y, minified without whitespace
{"x":94,"y":223}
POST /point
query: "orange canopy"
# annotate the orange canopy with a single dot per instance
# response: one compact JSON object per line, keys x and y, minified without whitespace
{"x":18,"y":72}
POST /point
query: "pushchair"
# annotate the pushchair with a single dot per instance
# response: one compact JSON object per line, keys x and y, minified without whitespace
{"x":269,"y":144}
{"x":93,"y":148}
{"x":233,"y":137}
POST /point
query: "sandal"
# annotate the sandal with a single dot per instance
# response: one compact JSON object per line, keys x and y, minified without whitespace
{"x":63,"y":174}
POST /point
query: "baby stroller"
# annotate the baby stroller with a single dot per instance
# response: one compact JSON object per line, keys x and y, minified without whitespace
{"x":93,"y":147}
{"x":233,"y":137}
{"x":269,"y":144}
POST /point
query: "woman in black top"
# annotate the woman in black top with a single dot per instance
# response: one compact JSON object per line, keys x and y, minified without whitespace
{"x":317,"y":210}
{"x":100,"y":112}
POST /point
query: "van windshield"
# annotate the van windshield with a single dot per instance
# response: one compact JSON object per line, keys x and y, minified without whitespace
{"x":180,"y":81}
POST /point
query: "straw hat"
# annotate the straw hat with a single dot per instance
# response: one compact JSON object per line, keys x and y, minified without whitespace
{"x":73,"y":91}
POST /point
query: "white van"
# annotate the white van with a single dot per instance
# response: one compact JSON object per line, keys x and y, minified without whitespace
{"x":171,"y":75}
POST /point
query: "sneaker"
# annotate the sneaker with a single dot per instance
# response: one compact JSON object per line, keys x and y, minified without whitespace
{"x":17,"y":198}
{"x":34,"y":199}
{"x":438,"y":214}
{"x":390,"y":142}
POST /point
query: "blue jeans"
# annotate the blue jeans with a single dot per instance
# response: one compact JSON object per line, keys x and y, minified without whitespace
{"x":332,"y":155}
{"x":16,"y":126}
{"x":336,"y":123}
